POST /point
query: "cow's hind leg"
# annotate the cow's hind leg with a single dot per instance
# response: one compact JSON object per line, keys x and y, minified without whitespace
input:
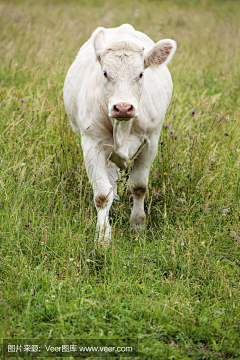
{"x":96,"y":166}
{"x":113,"y":175}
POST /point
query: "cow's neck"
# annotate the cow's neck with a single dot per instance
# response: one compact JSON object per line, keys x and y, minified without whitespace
{"x":121,"y":132}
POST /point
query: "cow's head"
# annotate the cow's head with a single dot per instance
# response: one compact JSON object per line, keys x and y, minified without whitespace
{"x":123,"y":63}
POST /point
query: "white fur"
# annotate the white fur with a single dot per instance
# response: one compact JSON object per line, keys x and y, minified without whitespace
{"x":107,"y":143}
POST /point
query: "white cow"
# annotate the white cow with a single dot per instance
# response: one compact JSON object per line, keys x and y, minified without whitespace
{"x":116,"y":94}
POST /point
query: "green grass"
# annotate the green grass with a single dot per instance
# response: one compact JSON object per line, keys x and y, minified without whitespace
{"x":175,"y":286}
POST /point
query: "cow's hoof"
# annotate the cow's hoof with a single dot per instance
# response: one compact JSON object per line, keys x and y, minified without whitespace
{"x":138,"y":223}
{"x":104,"y":242}
{"x":103,"y":238}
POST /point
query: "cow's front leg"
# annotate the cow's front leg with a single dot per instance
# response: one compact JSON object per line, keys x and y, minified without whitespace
{"x":139,"y":181}
{"x":96,"y":166}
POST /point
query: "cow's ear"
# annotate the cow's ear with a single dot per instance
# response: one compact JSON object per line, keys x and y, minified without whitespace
{"x":98,"y":42}
{"x":161,"y":53}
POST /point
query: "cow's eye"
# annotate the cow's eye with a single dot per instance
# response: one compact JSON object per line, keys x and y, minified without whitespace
{"x":141,"y":75}
{"x":105,"y":74}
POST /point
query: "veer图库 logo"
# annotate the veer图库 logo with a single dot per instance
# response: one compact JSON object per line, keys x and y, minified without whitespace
{"x":69,"y":347}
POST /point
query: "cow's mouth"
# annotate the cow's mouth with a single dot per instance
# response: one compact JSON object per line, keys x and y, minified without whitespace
{"x":127,"y":118}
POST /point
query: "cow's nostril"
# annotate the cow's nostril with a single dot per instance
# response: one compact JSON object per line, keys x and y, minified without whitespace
{"x":116,"y":109}
{"x":130,"y":109}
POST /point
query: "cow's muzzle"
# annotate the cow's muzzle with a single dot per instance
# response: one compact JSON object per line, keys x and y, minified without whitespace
{"x":123,"y":111}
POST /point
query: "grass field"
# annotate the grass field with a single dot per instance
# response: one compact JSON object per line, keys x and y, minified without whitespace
{"x":175,"y":287}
